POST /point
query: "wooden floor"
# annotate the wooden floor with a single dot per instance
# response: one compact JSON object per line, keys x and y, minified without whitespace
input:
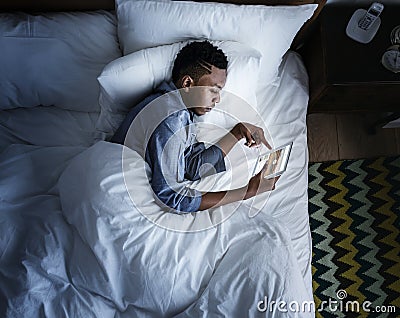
{"x":348,"y":136}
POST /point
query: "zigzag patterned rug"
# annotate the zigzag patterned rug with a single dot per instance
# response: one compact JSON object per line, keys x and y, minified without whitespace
{"x":354,"y":208}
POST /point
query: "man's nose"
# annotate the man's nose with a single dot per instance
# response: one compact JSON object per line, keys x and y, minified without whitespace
{"x":217,"y":98}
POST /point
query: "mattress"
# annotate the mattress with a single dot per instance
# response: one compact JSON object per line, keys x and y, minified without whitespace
{"x":74,"y":242}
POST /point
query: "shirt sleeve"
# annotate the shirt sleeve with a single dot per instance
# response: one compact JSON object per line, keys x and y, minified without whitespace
{"x":201,"y":161}
{"x":165,"y":155}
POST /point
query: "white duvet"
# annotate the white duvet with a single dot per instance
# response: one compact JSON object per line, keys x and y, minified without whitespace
{"x":75,"y":243}
{"x":108,"y":260}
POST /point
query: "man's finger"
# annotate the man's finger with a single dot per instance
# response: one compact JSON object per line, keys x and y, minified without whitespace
{"x":256,"y":138}
{"x":250,"y":141}
{"x":265,"y":142}
{"x":276,"y":179}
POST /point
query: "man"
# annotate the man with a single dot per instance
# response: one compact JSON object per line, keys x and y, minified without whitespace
{"x":161,"y":129}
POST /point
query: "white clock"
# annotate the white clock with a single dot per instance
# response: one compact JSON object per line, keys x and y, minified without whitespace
{"x":391,"y":58}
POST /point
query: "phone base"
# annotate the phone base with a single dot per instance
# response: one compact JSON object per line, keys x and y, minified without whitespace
{"x":358,"y":34}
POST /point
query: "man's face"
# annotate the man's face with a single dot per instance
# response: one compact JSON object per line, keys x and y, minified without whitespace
{"x":203,"y":96}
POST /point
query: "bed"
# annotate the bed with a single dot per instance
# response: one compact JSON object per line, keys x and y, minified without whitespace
{"x":80,"y":232}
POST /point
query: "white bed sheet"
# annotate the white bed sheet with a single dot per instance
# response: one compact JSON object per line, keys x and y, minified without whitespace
{"x":50,"y":268}
{"x":288,"y":123}
{"x":47,"y":126}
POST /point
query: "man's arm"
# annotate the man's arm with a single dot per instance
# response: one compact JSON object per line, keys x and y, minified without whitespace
{"x":183,"y":199}
{"x":257,"y":184}
{"x":175,"y":194}
{"x":254,"y":136}
{"x":199,"y":155}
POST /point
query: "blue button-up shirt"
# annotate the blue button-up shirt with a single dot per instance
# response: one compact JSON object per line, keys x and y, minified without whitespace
{"x":164,"y":133}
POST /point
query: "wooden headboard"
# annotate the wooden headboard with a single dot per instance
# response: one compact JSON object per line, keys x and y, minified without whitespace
{"x":81,"y":5}
{"x":85,"y":5}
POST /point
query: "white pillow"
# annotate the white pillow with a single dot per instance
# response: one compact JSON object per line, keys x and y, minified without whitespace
{"x":269,"y":29}
{"x":129,"y":79}
{"x":55,"y":58}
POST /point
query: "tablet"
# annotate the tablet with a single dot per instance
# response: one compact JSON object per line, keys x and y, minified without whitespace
{"x":276,"y":159}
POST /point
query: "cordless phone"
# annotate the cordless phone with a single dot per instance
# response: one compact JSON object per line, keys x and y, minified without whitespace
{"x":364,"y":24}
{"x":370,"y":16}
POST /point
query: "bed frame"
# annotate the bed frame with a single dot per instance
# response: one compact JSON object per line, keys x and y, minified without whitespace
{"x":85,"y":5}
{"x":81,"y":5}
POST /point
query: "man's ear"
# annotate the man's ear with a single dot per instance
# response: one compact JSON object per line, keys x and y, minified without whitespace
{"x":187,"y":82}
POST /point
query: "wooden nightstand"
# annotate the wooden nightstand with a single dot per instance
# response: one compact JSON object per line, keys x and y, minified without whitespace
{"x":346,"y":75}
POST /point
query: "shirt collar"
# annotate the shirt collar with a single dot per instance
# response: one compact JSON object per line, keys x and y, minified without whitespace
{"x":166,"y":87}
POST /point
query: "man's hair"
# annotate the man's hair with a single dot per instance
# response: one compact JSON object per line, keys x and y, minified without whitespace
{"x":195,"y":60}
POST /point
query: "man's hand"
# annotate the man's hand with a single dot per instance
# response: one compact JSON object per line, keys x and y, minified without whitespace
{"x":258,"y":184}
{"x":254,"y":135}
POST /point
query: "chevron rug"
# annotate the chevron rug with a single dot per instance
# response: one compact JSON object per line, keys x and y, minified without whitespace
{"x":354,"y":208}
